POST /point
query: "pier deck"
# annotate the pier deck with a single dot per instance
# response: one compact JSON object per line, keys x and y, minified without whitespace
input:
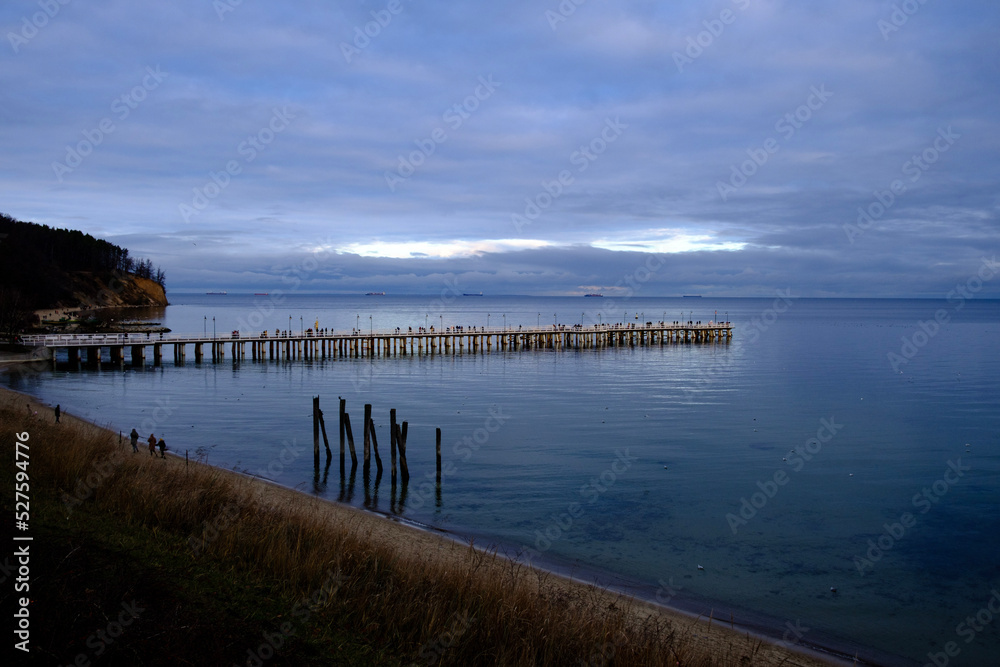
{"x":324,"y":344}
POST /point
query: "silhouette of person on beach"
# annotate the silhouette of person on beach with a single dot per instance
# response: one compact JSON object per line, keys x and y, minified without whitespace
{"x":152,"y":444}
{"x":134,"y":437}
{"x":163,"y":448}
{"x":58,"y":412}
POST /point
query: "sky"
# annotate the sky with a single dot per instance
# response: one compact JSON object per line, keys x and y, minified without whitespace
{"x":841,"y":148}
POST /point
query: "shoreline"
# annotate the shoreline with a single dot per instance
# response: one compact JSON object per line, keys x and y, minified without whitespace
{"x":713,"y":635}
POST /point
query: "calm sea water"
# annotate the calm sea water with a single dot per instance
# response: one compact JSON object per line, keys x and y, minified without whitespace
{"x":798,"y":457}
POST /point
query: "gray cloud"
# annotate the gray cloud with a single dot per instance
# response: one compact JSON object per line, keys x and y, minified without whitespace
{"x":321,"y":179}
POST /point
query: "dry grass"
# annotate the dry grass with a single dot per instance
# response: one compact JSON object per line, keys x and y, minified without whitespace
{"x":477,"y":610}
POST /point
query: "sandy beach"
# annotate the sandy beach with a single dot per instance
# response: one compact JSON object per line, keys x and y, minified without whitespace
{"x":715,"y":637}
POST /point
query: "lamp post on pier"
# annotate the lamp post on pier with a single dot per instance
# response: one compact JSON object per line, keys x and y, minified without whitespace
{"x":213,"y":327}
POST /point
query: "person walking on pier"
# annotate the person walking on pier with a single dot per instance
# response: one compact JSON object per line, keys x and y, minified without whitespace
{"x":134,"y":437}
{"x":163,"y":448}
{"x":152,"y":444}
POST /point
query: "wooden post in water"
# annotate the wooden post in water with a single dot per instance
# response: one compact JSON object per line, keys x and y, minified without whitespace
{"x":378,"y":459}
{"x":367,"y":438}
{"x":316,"y":431}
{"x":350,"y":440}
{"x":343,"y":411}
{"x":326,"y":441}
{"x":403,"y":468}
{"x":392,"y":444}
{"x":437,"y":449}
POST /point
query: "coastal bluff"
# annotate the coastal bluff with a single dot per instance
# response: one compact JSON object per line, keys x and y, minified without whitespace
{"x":88,"y":290}
{"x":56,"y":272}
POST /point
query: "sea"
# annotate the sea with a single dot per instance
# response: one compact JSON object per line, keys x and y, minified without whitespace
{"x":828,"y":477}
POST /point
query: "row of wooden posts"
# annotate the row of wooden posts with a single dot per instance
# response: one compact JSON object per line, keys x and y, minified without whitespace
{"x":397,"y":441}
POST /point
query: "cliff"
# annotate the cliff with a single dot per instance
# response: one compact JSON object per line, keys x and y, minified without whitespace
{"x":42,"y":267}
{"x":86,"y":290}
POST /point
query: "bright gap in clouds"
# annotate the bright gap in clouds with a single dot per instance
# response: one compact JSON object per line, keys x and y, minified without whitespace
{"x":446,"y":249}
{"x":666,"y":240}
{"x":659,"y":241}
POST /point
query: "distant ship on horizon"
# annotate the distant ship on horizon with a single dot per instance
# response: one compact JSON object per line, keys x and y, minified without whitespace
{"x":472,"y":294}
{"x":691,"y":296}
{"x":374,"y":293}
{"x":594,"y":294}
{"x":222,"y":293}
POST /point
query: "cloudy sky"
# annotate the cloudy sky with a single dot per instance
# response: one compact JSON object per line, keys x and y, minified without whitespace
{"x":837,"y":147}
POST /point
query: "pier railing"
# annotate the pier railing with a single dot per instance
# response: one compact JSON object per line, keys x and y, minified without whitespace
{"x":323,"y":343}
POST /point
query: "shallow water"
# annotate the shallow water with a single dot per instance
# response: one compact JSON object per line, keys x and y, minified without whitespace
{"x":632,"y":464}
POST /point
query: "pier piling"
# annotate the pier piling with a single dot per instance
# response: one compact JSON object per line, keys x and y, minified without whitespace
{"x":316,"y":431}
{"x":350,"y":441}
{"x":367,"y":438}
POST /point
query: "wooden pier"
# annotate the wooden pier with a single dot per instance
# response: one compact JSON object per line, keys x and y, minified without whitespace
{"x":322,"y":344}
